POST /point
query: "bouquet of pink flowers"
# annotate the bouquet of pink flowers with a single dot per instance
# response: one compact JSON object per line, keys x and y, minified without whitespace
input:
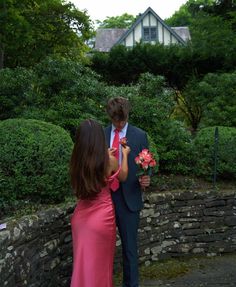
{"x":145,"y":162}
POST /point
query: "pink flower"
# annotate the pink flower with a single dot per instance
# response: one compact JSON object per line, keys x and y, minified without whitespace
{"x":137,"y":160}
{"x":152,"y":163}
{"x":145,"y":161}
{"x":144,"y":165}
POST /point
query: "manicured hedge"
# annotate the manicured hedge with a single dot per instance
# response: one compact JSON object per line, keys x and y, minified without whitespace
{"x":34,"y":158}
{"x":226,"y":155}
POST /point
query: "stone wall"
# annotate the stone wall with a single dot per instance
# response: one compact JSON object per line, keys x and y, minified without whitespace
{"x":36,"y":250}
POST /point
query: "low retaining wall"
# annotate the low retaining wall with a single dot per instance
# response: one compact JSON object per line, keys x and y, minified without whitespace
{"x":36,"y":250}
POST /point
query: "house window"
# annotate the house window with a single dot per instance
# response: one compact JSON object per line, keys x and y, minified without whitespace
{"x":149,"y":34}
{"x":153,"y":32}
{"x":146,"y":34}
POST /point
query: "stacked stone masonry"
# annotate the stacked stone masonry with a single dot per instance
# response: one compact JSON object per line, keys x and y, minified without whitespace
{"x":36,"y":250}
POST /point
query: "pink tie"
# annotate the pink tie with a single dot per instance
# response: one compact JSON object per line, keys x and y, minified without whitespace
{"x":116,"y":142}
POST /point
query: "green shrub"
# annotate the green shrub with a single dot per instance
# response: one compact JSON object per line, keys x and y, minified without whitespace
{"x":34,"y":157}
{"x":14,"y":85}
{"x":204,"y":152}
{"x":65,"y":92}
{"x":175,"y":144}
{"x":152,"y":103}
{"x":154,"y":151}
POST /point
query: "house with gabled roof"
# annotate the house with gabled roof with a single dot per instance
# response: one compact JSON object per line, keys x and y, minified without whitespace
{"x":148,"y":28}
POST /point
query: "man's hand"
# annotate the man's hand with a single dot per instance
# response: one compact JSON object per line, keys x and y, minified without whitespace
{"x":144,"y":181}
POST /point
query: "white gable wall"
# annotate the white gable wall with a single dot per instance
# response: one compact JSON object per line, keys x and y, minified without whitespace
{"x":164,"y":36}
{"x":160,"y":32}
{"x":138,"y":33}
{"x":153,"y":20}
{"x":174,"y":40}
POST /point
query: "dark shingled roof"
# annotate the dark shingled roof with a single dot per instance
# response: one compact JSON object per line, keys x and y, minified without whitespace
{"x":183,"y":32}
{"x":106,"y":38}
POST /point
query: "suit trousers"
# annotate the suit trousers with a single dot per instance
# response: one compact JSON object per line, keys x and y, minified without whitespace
{"x":127,"y":222}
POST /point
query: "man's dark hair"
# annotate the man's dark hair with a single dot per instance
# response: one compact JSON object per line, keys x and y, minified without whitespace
{"x":118,"y":108}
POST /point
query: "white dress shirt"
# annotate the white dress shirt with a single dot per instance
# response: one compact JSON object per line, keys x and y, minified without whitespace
{"x":122,"y":134}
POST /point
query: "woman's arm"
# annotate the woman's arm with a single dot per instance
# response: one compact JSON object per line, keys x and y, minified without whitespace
{"x":124,"y":164}
{"x":113,"y":162}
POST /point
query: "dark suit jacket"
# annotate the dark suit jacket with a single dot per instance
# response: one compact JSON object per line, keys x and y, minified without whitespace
{"x":137,"y":140}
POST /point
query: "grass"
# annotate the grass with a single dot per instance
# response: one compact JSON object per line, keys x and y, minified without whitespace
{"x":159,"y":270}
{"x":173,"y":182}
{"x":166,"y":269}
{"x":19,"y":208}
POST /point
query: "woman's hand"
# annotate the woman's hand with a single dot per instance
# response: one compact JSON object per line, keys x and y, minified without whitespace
{"x":125,"y":150}
{"x":111,"y":151}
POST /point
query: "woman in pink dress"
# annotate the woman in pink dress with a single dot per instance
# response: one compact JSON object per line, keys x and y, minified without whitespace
{"x":94,"y":172}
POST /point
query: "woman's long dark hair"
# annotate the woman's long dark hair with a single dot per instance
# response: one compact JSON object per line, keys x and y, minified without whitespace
{"x":89,"y":160}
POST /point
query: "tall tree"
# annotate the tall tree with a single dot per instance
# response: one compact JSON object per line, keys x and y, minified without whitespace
{"x":32,"y":30}
{"x":222,"y":8}
{"x":213,"y":43}
{"x":225,"y":9}
{"x":187,"y":12}
{"x":208,"y":102}
{"x":123,"y":21}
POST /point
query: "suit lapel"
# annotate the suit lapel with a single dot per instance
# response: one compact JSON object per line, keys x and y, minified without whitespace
{"x":130,"y":134}
{"x":108,"y":135}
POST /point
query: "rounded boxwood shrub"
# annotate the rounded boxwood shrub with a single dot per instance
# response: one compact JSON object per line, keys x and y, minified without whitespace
{"x":204,"y":152}
{"x":34,"y":160}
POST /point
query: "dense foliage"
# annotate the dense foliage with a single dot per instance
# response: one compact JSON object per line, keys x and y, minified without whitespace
{"x":34,"y":161}
{"x":32,"y":30}
{"x":123,"y":21}
{"x":206,"y":53}
{"x":59,"y":91}
{"x":193,"y":70}
{"x":224,"y":151}
{"x":209,"y":102}
{"x":152,"y":104}
{"x":178,"y":94}
{"x":14,"y":85}
{"x":187,"y":12}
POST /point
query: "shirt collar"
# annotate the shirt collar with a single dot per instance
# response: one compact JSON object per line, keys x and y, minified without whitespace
{"x":122,"y":131}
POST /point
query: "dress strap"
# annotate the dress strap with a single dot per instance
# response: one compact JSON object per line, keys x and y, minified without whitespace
{"x":113,"y":181}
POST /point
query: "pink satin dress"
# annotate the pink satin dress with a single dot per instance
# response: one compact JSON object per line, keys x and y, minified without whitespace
{"x":94,"y":237}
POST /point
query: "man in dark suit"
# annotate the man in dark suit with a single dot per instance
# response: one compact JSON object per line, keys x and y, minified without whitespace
{"x":128,"y":198}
